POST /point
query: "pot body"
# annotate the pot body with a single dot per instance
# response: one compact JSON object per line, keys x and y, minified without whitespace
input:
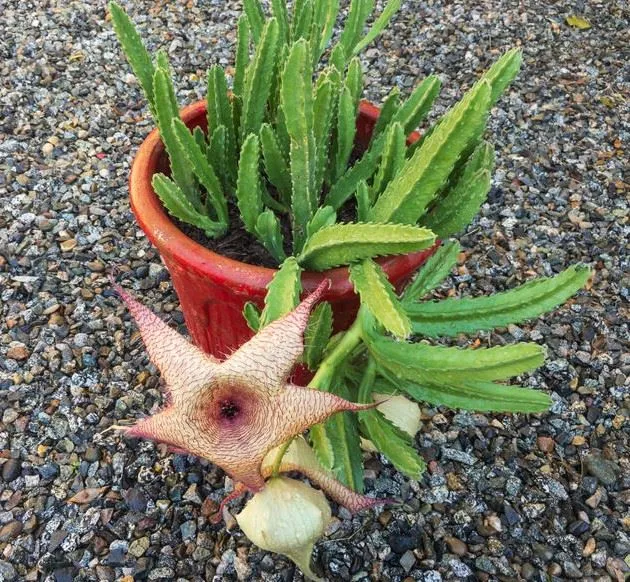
{"x":213,"y":289}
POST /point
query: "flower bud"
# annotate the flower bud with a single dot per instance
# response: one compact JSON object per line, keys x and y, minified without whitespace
{"x":286,"y":517}
{"x":400,"y":411}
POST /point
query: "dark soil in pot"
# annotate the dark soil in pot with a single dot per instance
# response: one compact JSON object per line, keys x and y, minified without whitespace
{"x":240,"y":245}
{"x":236,"y":243}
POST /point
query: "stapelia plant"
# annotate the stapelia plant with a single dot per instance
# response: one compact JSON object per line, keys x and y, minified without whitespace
{"x":232,"y":412}
{"x":243,"y":415}
{"x":279,"y":148}
{"x":279,"y":154}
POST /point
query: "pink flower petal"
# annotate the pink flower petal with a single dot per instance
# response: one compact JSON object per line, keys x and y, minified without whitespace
{"x":268,"y":358}
{"x":183,"y":366}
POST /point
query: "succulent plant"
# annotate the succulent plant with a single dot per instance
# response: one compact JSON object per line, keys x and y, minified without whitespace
{"x":242,"y":415}
{"x":280,"y":149}
{"x":280,"y":141}
{"x":366,"y":360}
{"x":235,"y":411}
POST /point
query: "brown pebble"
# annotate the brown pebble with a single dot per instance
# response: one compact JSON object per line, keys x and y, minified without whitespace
{"x":456,"y":545}
{"x":618,"y":421}
{"x":545,"y":444}
{"x":493,"y":522}
{"x":453,"y":482}
{"x":92,"y":454}
{"x":67,"y":245}
{"x":51,"y":309}
{"x":142,"y":377}
{"x":554,"y":569}
{"x":385,"y":517}
{"x":593,"y":500}
{"x":485,"y":530}
{"x":208,"y":507}
{"x":17,"y":351}
{"x":96,"y":266}
{"x":589,"y":547}
{"x":617,"y":569}
{"x":99,"y":545}
{"x":56,"y":319}
{"x":30,"y":524}
{"x":87,"y":495}
{"x":13,"y":501}
{"x":10,"y":530}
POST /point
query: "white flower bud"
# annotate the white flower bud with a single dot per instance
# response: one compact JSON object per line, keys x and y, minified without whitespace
{"x":286,"y":517}
{"x":400,"y":411}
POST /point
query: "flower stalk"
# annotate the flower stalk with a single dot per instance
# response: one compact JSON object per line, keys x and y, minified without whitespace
{"x":339,"y":353}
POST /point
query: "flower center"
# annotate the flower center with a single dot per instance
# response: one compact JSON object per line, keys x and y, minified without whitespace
{"x":229,"y":409}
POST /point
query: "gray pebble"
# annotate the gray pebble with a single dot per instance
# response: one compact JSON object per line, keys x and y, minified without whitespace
{"x":459,"y":569}
{"x":81,"y":340}
{"x":11,"y":470}
{"x":407,"y":561}
{"x":555,"y":489}
{"x":485,"y":564}
{"x":7,"y":571}
{"x":188,"y":530}
{"x":161,"y":574}
{"x":606,"y":471}
{"x":459,"y":456}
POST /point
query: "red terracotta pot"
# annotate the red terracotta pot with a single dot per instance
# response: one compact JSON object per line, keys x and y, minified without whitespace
{"x":213,"y":289}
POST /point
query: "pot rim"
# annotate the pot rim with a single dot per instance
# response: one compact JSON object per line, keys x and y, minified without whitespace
{"x":181,"y":249}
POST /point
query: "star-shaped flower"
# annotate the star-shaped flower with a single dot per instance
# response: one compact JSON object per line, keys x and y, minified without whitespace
{"x":232,"y":412}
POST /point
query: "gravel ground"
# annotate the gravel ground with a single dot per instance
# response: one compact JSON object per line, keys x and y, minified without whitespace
{"x":505,"y":498}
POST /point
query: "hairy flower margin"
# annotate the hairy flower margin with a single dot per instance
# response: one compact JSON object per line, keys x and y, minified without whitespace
{"x":234,"y":412}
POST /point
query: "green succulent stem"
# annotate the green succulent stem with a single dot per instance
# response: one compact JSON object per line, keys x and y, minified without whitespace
{"x":367,"y":382}
{"x":320,"y":434}
{"x":333,"y":360}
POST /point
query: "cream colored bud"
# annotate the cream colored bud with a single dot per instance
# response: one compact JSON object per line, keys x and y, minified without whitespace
{"x":286,"y":517}
{"x":400,"y":411}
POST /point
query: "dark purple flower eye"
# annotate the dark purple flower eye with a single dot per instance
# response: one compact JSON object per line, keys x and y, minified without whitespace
{"x":229,"y":409}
